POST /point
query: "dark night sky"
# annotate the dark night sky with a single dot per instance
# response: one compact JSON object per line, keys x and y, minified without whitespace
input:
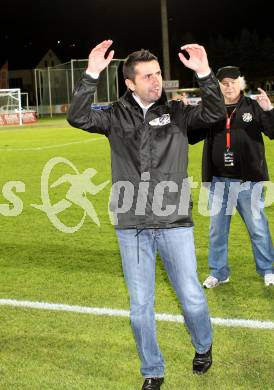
{"x":30,"y":27}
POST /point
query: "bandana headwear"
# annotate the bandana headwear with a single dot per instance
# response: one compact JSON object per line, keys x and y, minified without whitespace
{"x":232,"y":72}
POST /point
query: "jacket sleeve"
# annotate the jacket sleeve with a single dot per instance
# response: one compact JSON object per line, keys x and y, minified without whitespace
{"x":267,"y":121}
{"x":212,"y":108}
{"x":80,"y":113}
{"x":196,"y":135}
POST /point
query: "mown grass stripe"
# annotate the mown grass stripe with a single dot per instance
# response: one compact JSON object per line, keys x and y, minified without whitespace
{"x":51,"y":146}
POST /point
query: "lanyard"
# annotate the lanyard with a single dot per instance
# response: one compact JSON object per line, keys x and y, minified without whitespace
{"x":227,"y":126}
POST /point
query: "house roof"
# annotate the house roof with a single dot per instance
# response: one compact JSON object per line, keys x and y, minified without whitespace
{"x":29,"y":57}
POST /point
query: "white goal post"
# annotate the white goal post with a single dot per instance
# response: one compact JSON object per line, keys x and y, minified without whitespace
{"x":11,"y":104}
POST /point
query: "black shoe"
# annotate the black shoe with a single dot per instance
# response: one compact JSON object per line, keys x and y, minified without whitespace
{"x":202,"y":362}
{"x":152,"y":383}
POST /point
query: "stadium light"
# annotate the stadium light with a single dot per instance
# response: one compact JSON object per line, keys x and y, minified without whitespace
{"x":165,"y":40}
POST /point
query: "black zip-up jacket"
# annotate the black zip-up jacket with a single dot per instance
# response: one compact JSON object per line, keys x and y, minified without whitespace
{"x":149,"y":154}
{"x":247,"y":124}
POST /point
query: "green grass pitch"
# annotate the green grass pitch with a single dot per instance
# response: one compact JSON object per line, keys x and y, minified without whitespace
{"x":47,"y":350}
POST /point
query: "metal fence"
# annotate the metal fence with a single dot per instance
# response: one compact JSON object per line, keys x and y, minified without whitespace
{"x":54,"y":85}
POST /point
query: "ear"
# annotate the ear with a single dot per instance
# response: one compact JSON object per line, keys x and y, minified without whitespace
{"x":130,"y":84}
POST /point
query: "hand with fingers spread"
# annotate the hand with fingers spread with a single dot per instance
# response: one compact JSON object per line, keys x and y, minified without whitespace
{"x":96,"y":60}
{"x":197,"y":58}
{"x":263,"y":100}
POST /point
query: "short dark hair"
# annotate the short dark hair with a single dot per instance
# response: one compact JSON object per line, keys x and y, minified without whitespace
{"x":133,"y":59}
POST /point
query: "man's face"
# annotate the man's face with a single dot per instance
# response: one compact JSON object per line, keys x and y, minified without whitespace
{"x":231,"y":89}
{"x":148,"y":82}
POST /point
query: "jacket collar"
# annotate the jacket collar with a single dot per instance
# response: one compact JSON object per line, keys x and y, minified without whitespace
{"x":127,"y":99}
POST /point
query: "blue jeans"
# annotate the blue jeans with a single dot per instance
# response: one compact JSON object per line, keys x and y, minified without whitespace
{"x":250,"y":206}
{"x":176,"y":247}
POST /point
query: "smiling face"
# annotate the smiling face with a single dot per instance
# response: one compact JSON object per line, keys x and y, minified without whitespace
{"x":147,"y":83}
{"x":231,"y":89}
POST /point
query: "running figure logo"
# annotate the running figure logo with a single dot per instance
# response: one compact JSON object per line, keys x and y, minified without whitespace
{"x":80,"y":185}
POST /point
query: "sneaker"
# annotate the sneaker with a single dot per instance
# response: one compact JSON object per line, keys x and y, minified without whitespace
{"x":269,"y":279}
{"x":202,"y":362}
{"x":212,"y":282}
{"x":152,"y":383}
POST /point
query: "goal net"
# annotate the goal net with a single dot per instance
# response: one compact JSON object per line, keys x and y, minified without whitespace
{"x":10,"y":106}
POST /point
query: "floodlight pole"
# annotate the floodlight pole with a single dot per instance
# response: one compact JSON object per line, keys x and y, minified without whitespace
{"x":36,"y":91}
{"x":50,"y":99}
{"x":40,"y":90}
{"x":108,"y":95}
{"x":165,"y":40}
{"x":67,"y":80}
{"x":72,"y":75}
{"x":20,"y":107}
{"x":117,"y":82}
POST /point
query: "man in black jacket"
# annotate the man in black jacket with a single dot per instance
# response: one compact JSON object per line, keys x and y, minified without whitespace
{"x":235,"y":165}
{"x":150,"y":195}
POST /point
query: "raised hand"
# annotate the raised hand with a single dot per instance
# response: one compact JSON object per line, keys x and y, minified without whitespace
{"x":263,"y":100}
{"x":96,"y":60}
{"x":197,"y":58}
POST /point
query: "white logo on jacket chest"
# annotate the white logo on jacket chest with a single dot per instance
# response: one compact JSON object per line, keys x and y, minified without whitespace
{"x":247,"y":117}
{"x":161,"y":120}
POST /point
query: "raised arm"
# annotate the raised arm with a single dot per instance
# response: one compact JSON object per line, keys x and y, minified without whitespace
{"x":96,"y":59}
{"x":80,"y":114}
{"x":266,"y":113}
{"x":197,"y":58}
{"x":212,"y":108}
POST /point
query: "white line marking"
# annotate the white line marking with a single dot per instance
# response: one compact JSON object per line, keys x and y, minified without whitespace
{"x":104,"y":311}
{"x":52,"y":146}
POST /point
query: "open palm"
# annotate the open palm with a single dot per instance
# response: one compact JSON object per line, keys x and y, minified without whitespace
{"x":263,"y":100}
{"x":197,"y":58}
{"x":96,"y":60}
